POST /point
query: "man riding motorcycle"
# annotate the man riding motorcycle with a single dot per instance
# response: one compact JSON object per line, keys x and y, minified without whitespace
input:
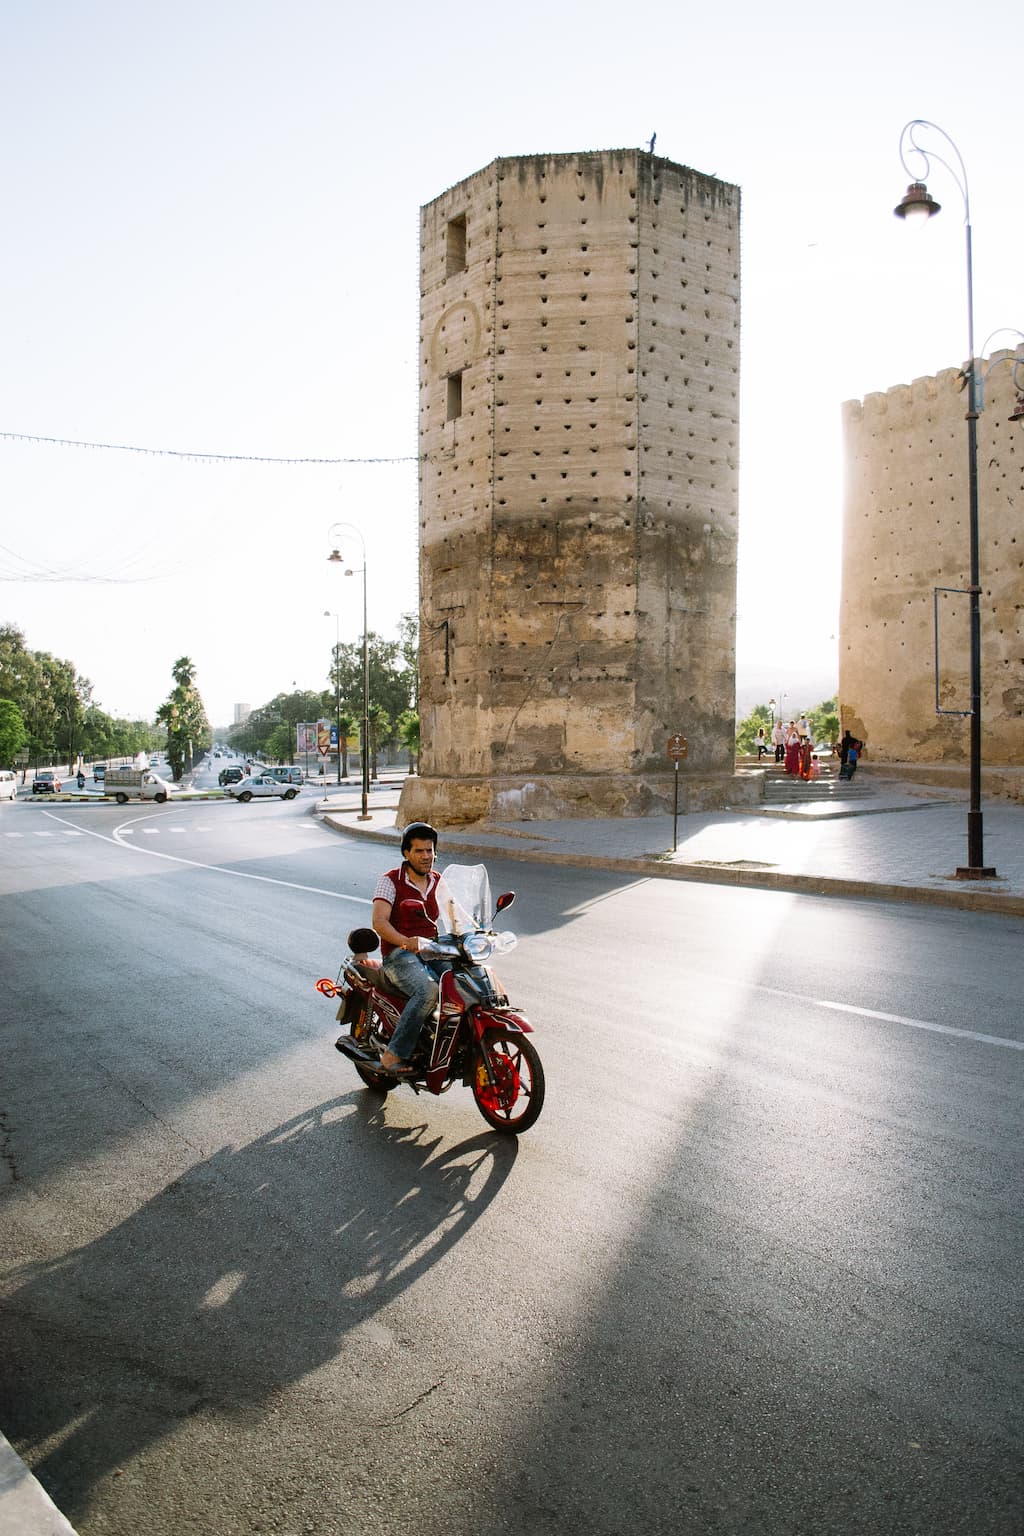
{"x":405,"y":911}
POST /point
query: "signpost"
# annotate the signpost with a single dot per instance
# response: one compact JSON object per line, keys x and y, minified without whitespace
{"x":677,"y":750}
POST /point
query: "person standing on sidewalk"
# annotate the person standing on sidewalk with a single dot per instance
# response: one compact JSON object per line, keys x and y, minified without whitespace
{"x":405,"y":911}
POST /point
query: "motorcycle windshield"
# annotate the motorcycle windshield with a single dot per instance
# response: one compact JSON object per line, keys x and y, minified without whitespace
{"x":463,"y":899}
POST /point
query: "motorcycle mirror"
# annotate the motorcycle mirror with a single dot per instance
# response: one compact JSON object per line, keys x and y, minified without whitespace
{"x":504,"y":902}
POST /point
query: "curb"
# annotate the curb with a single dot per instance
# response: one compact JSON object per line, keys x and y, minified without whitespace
{"x":964,"y":898}
{"x":26,"y":1509}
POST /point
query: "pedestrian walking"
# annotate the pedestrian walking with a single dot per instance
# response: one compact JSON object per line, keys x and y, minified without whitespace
{"x":779,"y":740}
{"x":760,"y":743}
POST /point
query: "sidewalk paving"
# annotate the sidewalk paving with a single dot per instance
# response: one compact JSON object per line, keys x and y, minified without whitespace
{"x":889,"y":840}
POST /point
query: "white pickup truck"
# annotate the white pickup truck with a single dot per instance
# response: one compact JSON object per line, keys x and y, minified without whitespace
{"x":136,"y":784}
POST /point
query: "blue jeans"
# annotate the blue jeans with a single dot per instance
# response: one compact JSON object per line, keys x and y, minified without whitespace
{"x":407,"y":973}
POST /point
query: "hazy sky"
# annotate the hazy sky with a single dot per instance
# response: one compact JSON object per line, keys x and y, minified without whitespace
{"x":211,"y":227}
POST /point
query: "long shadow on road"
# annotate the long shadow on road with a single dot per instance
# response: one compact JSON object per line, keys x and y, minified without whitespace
{"x":254,"y":1269}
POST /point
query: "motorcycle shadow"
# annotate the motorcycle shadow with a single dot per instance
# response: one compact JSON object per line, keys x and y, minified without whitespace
{"x":256,"y":1267}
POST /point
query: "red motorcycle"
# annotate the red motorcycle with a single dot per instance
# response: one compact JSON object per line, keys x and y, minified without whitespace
{"x":475,"y":1037}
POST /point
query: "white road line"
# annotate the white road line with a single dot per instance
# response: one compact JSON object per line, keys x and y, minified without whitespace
{"x":871,"y":1012}
{"x":937,"y":1029}
{"x":42,"y":834}
{"x":14,"y":834}
{"x":864,"y":1013}
{"x":237,"y":874}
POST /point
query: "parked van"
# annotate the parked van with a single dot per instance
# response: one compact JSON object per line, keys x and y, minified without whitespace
{"x":8,"y":784}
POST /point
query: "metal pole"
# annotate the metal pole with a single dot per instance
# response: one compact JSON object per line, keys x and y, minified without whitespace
{"x":675,"y":811}
{"x":975,"y":867}
{"x":364,"y":815}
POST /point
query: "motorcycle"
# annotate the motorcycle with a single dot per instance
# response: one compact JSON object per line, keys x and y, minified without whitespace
{"x":475,"y":1037}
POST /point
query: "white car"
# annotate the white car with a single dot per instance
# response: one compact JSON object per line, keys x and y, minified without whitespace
{"x":260,"y":784}
{"x":8,"y":784}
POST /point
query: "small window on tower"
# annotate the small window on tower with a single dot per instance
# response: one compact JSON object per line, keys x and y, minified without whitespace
{"x":455,"y":245}
{"x":454,"y":407}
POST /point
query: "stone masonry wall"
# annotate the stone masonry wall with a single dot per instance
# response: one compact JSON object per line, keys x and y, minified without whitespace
{"x":578,"y":491}
{"x":906,"y":532}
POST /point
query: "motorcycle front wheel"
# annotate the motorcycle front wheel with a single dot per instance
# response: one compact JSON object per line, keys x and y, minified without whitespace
{"x":515,"y":1098}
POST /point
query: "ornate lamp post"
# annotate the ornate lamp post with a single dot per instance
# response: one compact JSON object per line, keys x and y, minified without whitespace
{"x":335,"y":558}
{"x":917,"y":206}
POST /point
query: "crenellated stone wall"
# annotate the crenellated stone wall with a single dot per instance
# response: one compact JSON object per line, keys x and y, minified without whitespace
{"x":579,"y":380}
{"x":906,"y":532}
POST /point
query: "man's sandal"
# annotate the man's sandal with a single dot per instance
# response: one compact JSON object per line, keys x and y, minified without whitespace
{"x":396,"y":1067}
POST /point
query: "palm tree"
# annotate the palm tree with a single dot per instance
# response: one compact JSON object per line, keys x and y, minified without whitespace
{"x":184,"y":717}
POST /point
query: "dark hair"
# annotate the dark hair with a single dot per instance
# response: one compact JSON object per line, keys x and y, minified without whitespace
{"x":418,"y":831}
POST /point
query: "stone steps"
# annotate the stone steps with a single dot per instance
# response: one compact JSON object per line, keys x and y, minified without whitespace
{"x":782,"y":788}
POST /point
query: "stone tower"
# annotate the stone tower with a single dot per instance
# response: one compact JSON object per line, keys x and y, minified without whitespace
{"x":579,"y":379}
{"x":905,"y":532}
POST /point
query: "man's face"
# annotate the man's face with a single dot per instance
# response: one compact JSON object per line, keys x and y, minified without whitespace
{"x":420,"y":856}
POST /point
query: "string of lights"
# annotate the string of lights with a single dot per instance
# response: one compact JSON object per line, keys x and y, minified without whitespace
{"x":198,"y":458}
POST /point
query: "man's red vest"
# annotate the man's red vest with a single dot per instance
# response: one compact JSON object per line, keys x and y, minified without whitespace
{"x":412,"y":913}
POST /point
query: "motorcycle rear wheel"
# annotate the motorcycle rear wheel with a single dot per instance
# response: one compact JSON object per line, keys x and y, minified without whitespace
{"x":516,"y":1099}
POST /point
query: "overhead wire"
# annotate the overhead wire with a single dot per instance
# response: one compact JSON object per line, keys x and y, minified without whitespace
{"x":201,"y":458}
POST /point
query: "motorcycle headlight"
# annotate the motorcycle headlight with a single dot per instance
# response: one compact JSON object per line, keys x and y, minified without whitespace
{"x":478,"y":945}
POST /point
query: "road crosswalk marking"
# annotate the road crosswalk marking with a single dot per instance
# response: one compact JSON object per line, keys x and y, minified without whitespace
{"x":177,"y":830}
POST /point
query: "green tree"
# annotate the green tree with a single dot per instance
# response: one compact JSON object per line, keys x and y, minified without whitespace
{"x":746,"y":731}
{"x":408,"y":725}
{"x":380,"y":733}
{"x":409,"y":645}
{"x":69,"y":696}
{"x":824,"y":721}
{"x":348,"y":726}
{"x":391,"y":682}
{"x":51,"y":696}
{"x":13,"y":732}
{"x":184,"y":718}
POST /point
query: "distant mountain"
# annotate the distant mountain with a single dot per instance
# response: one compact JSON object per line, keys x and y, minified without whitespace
{"x":793,"y":688}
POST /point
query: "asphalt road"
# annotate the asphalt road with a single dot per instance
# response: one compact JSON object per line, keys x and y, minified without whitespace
{"x":758,"y":1267}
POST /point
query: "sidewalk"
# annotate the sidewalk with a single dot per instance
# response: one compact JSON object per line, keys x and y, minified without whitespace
{"x":889,"y":839}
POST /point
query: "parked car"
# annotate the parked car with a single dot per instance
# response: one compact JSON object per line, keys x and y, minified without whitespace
{"x":8,"y":784}
{"x":46,"y":782}
{"x":824,"y":749}
{"x":260,"y":785}
{"x":286,"y":775}
{"x":230,"y":776}
{"x":99,"y":772}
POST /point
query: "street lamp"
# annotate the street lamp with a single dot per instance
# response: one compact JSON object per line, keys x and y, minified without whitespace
{"x":917,"y":206}
{"x":337,"y":681}
{"x":335,"y":558}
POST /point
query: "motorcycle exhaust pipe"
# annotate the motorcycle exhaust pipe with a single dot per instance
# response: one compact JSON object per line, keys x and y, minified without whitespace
{"x":348,"y":1047}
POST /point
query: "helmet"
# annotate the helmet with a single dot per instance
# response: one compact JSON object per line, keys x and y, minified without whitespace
{"x":418,"y":831}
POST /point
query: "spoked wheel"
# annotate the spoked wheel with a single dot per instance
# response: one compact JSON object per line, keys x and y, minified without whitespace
{"x":516,"y":1097}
